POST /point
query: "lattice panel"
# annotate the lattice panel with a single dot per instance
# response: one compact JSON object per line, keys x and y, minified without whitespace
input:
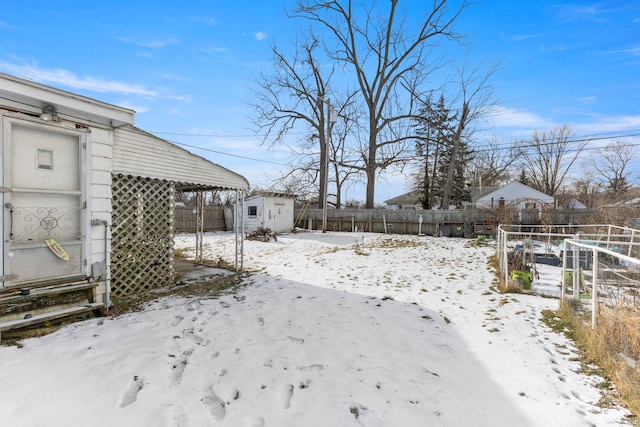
{"x":141,"y":234}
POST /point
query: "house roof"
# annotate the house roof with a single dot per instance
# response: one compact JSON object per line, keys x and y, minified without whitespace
{"x":30,"y":97}
{"x":514,"y":192}
{"x":272,"y":194}
{"x":410,"y":198}
{"x":162,"y":159}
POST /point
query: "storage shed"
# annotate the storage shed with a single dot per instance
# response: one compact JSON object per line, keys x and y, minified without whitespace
{"x":269,"y":210}
{"x":87,"y":203}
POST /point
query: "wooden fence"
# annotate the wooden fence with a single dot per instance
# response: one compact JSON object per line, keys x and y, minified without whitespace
{"x":214,"y":219}
{"x":449,"y":223}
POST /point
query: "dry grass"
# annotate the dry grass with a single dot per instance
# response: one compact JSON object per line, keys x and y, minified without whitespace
{"x":614,"y":345}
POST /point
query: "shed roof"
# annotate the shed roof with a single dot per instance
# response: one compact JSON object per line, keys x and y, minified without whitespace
{"x":514,"y":192}
{"x":272,"y":194}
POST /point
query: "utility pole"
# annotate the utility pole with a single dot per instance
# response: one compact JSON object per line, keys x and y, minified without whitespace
{"x":331,"y":119}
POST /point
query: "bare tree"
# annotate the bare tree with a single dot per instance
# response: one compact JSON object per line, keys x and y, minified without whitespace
{"x":302,"y":172}
{"x":492,"y":162}
{"x":586,"y":189}
{"x":549,"y":156}
{"x":612,"y":166}
{"x":474,"y":103}
{"x":294,"y":95}
{"x":389,"y":61}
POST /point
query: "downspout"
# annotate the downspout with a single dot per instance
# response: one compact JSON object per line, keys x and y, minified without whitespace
{"x":105,"y":297}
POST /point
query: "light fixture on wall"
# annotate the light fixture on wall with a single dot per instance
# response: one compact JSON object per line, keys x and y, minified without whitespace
{"x":49,"y":113}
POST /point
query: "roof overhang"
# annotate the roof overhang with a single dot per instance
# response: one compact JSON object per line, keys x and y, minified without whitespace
{"x":29,"y":97}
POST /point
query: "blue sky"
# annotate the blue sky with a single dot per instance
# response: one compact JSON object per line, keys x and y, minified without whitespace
{"x":186,"y":68}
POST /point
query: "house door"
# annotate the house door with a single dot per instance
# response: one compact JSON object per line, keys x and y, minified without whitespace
{"x":42,"y":203}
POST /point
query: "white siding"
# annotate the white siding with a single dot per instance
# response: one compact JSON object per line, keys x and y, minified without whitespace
{"x":100,"y":143}
{"x":253,"y":222}
{"x":272,"y":212}
{"x":282,"y":214}
{"x":138,"y":153}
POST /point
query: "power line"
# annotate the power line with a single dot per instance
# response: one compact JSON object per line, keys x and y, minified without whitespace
{"x":226,"y":154}
{"x":527,"y":143}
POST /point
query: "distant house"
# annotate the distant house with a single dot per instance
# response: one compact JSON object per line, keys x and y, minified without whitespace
{"x":575,"y":204}
{"x":517,"y":195}
{"x":410,"y":200}
{"x":269,"y":210}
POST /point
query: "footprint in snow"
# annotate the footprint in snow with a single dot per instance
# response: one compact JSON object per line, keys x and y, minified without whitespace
{"x":315,"y":367}
{"x":254,"y":422}
{"x":176,"y":417}
{"x":129,"y":393}
{"x":260,"y":321}
{"x":176,"y":320}
{"x":198,"y":339}
{"x":284,"y":395}
{"x":178,"y":367}
{"x":213,"y":404}
{"x":295,"y":340}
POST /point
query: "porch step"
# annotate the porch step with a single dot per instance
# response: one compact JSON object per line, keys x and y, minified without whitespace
{"x":15,"y":295}
{"x":12,"y":325}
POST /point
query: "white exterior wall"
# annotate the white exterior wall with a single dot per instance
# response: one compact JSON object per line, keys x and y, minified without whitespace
{"x":253,"y":222}
{"x":100,"y":144}
{"x":282,"y":217}
{"x":273,"y":212}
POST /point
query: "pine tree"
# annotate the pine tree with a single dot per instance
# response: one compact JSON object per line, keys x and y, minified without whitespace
{"x":434,"y":130}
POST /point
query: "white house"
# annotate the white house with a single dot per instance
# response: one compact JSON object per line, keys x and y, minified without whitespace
{"x":410,"y":200}
{"x":87,"y":201}
{"x":515,"y":195}
{"x":269,"y":210}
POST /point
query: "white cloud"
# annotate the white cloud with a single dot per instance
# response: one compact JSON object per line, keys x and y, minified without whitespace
{"x":213,"y":49}
{"x":604,"y":124}
{"x":68,"y":79}
{"x":503,"y":117}
{"x":520,"y":37}
{"x":260,"y":35}
{"x":5,"y":25}
{"x":152,"y":44}
{"x":204,"y":20}
{"x":587,"y":99}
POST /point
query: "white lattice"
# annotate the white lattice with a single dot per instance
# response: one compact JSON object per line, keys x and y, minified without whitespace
{"x":142,"y":234}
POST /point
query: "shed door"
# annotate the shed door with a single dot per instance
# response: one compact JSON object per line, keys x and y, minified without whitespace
{"x":44,"y":201}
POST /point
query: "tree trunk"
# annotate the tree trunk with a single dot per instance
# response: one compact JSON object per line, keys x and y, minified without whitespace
{"x":448,"y":185}
{"x":323,"y":171}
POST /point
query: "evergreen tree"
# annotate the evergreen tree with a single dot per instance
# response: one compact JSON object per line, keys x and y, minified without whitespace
{"x":434,"y":130}
{"x":523,"y":178}
{"x":459,"y":191}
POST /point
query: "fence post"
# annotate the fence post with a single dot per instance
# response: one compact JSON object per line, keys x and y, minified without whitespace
{"x":564,"y":272}
{"x":576,"y":269}
{"x":506,"y":258}
{"x":594,"y":291}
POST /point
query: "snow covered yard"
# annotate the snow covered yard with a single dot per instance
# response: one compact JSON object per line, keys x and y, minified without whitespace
{"x":332,"y":329}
